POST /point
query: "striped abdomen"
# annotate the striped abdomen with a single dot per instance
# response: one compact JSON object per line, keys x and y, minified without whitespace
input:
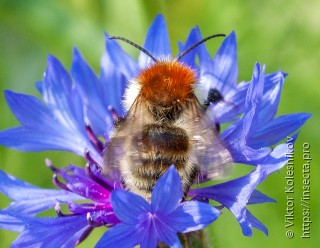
{"x":159,"y":146}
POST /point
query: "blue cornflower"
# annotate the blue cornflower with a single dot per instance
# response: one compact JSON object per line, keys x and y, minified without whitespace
{"x":77,"y":115}
{"x":148,"y":223}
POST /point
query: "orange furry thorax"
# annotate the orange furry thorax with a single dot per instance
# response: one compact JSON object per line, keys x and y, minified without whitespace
{"x":167,"y":83}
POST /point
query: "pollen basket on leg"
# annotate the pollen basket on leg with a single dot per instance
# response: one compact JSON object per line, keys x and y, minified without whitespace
{"x":167,"y":82}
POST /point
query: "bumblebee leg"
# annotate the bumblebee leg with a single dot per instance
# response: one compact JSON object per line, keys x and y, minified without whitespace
{"x":214,"y":96}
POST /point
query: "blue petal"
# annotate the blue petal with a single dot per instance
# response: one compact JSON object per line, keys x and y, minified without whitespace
{"x":236,"y":135}
{"x":268,"y":107}
{"x":167,"y":192}
{"x":35,"y":140}
{"x":116,"y":59}
{"x":190,"y":58}
{"x":150,"y":234}
{"x":169,"y":238}
{"x":87,"y":85}
{"x":128,"y":207}
{"x":235,"y":194}
{"x":192,"y":216}
{"x":278,"y":129}
{"x":45,"y":128}
{"x":232,"y":105}
{"x":28,"y":199}
{"x":257,"y":197}
{"x":223,"y":73}
{"x":64,"y":102}
{"x":273,"y":79}
{"x":235,"y":140}
{"x":121,"y":235}
{"x":8,"y":221}
{"x":38,"y":86}
{"x":51,"y":232}
{"x":40,"y":128}
{"x":255,"y":223}
{"x":61,"y":97}
{"x":30,"y":111}
{"x":117,"y":68}
{"x":157,"y":42}
{"x":206,"y":63}
{"x":255,"y":90}
{"x":277,"y":158}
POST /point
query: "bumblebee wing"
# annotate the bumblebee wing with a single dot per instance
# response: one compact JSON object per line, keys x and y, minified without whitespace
{"x":209,"y":151}
{"x":122,"y":151}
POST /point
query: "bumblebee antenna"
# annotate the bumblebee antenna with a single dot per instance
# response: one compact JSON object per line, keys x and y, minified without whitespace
{"x":134,"y":45}
{"x":199,"y":43}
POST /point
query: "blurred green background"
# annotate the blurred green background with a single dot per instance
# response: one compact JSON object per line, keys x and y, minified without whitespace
{"x":279,"y":33}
